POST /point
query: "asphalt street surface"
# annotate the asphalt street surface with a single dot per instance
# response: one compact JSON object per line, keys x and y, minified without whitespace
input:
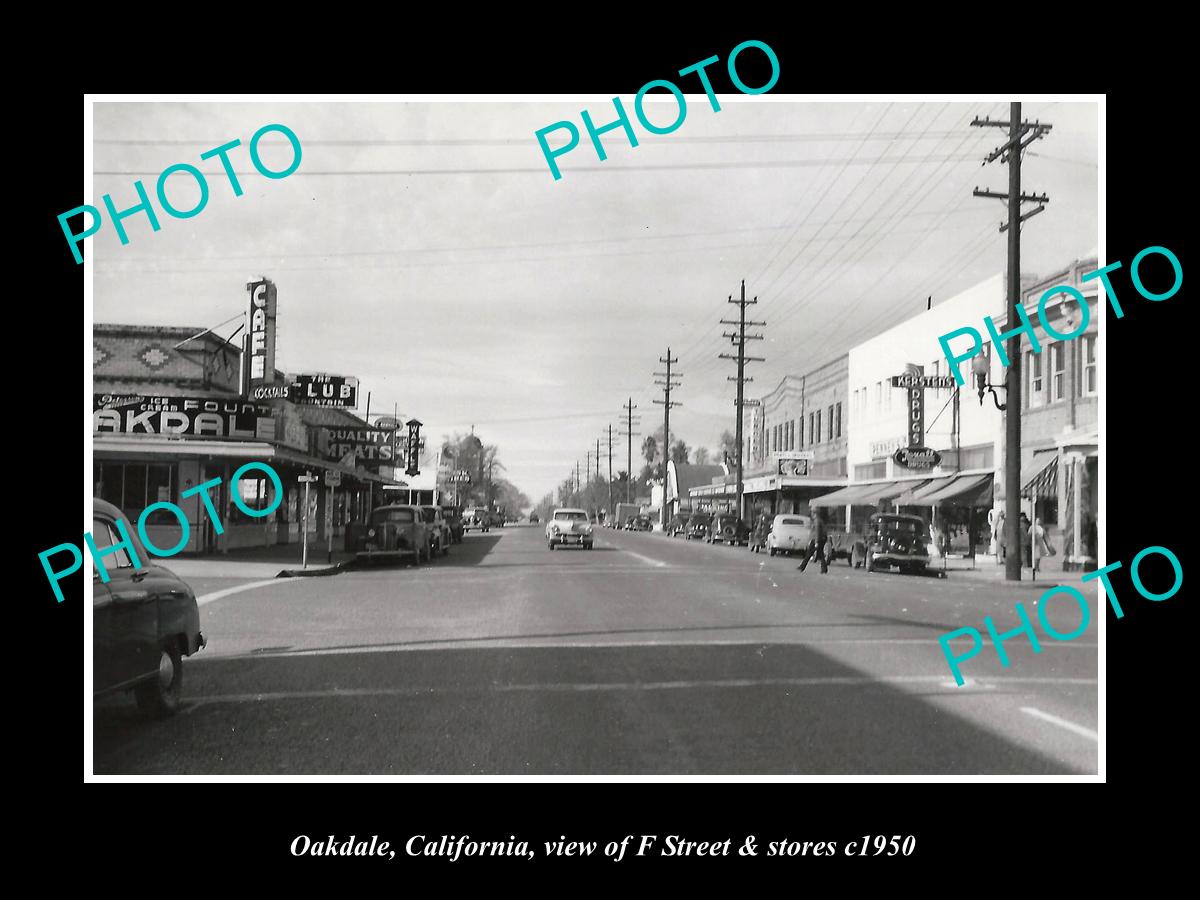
{"x":645,"y":655}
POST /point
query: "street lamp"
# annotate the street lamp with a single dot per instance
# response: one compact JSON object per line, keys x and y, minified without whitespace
{"x":980,"y":369}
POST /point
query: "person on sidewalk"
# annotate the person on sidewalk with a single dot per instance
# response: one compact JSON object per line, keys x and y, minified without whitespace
{"x":816,"y":546}
{"x":1000,"y":535}
{"x":1026,"y":545}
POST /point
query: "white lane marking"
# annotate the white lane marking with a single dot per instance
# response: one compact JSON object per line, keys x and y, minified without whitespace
{"x":551,"y":640}
{"x":657,"y":563}
{"x":1061,"y":723}
{"x":237,"y":589}
{"x":588,"y":687}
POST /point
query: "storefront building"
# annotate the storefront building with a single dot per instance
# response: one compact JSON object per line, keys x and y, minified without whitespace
{"x":1059,"y":417}
{"x":168,"y":415}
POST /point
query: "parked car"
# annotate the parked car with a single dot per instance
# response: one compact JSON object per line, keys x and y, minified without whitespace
{"x":496,"y":519}
{"x":397,"y":530}
{"x":678,"y":524}
{"x":641,"y":523}
{"x":790,"y":533}
{"x":454,"y":519}
{"x":569,"y":526}
{"x":895,"y":540}
{"x":727,"y":528}
{"x":144,"y":620}
{"x":533,"y":519}
{"x":440,"y":535}
{"x":476,"y":517}
{"x":697,"y":527}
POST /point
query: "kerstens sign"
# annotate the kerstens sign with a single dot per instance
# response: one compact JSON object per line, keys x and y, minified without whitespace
{"x":326,"y":390}
{"x":198,"y":416}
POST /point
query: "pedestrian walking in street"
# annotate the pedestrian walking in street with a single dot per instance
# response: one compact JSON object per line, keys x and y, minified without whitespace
{"x":1026,"y":545}
{"x":761,"y":529}
{"x":999,"y":535}
{"x":816,"y":546}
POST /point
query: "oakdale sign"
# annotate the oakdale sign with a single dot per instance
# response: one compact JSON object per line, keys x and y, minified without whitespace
{"x":196,"y":416}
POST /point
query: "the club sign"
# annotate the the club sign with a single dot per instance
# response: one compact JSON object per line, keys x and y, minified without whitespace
{"x":917,"y":457}
{"x":326,"y":390}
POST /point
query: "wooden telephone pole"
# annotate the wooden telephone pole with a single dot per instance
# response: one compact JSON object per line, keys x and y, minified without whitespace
{"x":739,"y":339}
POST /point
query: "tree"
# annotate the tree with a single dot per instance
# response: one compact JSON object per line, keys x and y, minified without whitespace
{"x":700,"y":456}
{"x":650,"y":449}
{"x":679,"y":453}
{"x":729,"y":446}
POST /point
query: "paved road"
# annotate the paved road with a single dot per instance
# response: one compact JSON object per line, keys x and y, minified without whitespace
{"x":644,"y":655}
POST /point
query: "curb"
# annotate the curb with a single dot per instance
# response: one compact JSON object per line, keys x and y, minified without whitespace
{"x":313,"y":573}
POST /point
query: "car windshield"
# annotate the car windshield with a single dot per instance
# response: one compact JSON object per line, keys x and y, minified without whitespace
{"x":902,"y":526}
{"x":401,"y":516}
{"x":428,"y":513}
{"x":570,"y":517}
{"x":700,"y":519}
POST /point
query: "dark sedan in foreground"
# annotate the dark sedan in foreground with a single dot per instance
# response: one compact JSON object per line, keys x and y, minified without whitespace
{"x":144,"y":619}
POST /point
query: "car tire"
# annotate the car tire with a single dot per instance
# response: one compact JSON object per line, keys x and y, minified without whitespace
{"x":159,"y":696}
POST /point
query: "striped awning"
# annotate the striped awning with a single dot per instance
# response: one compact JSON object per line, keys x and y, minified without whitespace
{"x":1044,"y":483}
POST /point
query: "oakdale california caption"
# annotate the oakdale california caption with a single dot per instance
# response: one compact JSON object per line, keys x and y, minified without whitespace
{"x":766,"y":443}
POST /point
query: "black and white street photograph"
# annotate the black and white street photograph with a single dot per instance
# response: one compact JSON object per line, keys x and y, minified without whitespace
{"x":693,"y":432}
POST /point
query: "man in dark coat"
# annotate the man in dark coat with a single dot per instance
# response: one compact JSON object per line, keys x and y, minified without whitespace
{"x":816,"y":546}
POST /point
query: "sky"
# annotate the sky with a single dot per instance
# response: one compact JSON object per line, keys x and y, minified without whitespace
{"x":427,"y":249}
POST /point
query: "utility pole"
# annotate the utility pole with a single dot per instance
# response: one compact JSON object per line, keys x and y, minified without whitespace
{"x":629,"y":434}
{"x":577,"y":479}
{"x":666,"y":405}
{"x":739,"y":339}
{"x":610,"y":503}
{"x":1020,"y":135}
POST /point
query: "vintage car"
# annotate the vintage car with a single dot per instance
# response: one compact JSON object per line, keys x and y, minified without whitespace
{"x":678,"y":524}
{"x":397,"y":530}
{"x":496,"y":518}
{"x":440,"y":534}
{"x":697,"y":526}
{"x":641,"y":523}
{"x":790,"y":533}
{"x":476,"y":517}
{"x":533,"y":519}
{"x":454,"y":519}
{"x":727,"y":528}
{"x":569,"y":527}
{"x":894,"y":540}
{"x":144,"y":620}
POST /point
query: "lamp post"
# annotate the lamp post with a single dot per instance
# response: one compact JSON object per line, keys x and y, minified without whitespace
{"x":980,"y":369}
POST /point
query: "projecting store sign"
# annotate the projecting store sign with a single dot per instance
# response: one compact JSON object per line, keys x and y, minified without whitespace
{"x":197,"y":416}
{"x":326,"y":390}
{"x":260,"y":342}
{"x":795,"y":464}
{"x":917,"y":457}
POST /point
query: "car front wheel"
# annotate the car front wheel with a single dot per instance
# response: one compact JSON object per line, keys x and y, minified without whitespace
{"x":159,"y":696}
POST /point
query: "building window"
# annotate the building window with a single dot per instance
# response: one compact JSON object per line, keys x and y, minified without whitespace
{"x":800,"y":430}
{"x":1058,"y":371}
{"x":1087,"y":353}
{"x":829,"y":436}
{"x":811,"y":438}
{"x":839,"y":420}
{"x":879,"y":396}
{"x":1035,"y":380}
{"x":818,"y":431}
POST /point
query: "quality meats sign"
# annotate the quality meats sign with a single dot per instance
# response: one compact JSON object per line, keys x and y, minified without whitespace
{"x":371,"y":446}
{"x":195,"y":416}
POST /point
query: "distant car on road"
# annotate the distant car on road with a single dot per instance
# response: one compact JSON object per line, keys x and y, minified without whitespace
{"x":533,"y":519}
{"x":641,"y":523}
{"x":440,"y":535}
{"x":790,"y":533}
{"x":476,"y":517}
{"x":894,"y":540}
{"x":144,"y":620}
{"x":697,"y":526}
{"x":496,"y":519}
{"x":569,"y":526}
{"x":727,"y":528}
{"x":397,"y":530}
{"x":677,"y":525}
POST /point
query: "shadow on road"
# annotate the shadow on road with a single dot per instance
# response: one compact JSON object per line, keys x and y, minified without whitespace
{"x":687,"y":709}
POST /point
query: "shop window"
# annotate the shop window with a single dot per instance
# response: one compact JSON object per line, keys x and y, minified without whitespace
{"x":1087,"y":353}
{"x":256,"y":493}
{"x":158,"y":484}
{"x":112,"y":483}
{"x":134,"y":500}
{"x":1034,"y":380}
{"x":1058,"y":371}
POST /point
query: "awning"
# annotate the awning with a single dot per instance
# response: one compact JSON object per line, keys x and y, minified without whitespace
{"x":965,"y":490}
{"x":853,"y":495}
{"x":1044,"y":483}
{"x":920,"y":489}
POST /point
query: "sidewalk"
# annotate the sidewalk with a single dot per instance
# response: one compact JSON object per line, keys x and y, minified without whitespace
{"x":254,"y":562}
{"x":1049,"y":573}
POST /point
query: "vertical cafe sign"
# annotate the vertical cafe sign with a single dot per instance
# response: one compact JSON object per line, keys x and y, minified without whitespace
{"x":260,"y":339}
